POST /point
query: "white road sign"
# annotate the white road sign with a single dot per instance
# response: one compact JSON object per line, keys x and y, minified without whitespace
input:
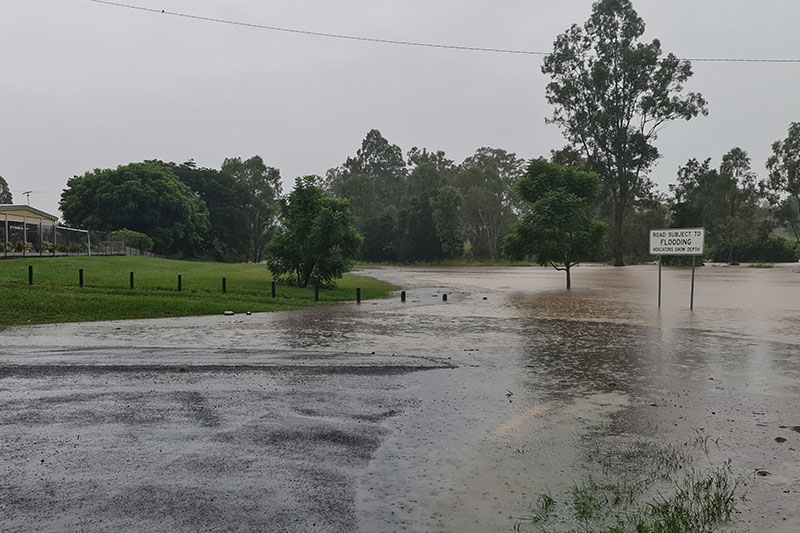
{"x":677,"y":241}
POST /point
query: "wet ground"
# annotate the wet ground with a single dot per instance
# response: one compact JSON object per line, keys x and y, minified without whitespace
{"x":416,"y":416}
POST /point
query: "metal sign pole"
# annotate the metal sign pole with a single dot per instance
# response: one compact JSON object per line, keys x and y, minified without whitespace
{"x":659,"y":281}
{"x":691,"y":298}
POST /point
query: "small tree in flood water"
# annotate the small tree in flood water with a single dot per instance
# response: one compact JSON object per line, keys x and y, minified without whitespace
{"x":560,"y":228}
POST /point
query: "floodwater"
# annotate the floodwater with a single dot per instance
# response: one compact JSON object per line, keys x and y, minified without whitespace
{"x":416,"y":416}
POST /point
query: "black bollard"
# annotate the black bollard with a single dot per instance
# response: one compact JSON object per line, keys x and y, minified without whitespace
{"x":80,"y":277}
{"x":273,"y":289}
{"x":30,"y":274}
{"x":131,"y":280}
{"x":316,"y":293}
{"x":444,"y":297}
{"x":180,"y":283}
{"x":402,"y":296}
{"x":358,"y":295}
{"x":224,"y":285}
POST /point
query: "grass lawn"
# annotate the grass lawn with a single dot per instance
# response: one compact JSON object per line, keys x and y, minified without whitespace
{"x":56,"y":297}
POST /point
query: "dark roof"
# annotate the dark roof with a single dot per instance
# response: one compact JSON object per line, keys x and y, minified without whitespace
{"x":5,"y":208}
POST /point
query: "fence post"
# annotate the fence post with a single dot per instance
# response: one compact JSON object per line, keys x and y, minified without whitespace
{"x":180,"y":283}
{"x":224,"y":285}
{"x":444,"y":297}
{"x":358,"y":295}
{"x":80,"y":277}
{"x":402,"y":296}
{"x":273,"y":289}
{"x":131,"y":280}
{"x":30,"y":272}
{"x":316,"y":293}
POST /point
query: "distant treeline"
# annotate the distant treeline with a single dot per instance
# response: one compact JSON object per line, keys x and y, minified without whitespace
{"x":421,"y":207}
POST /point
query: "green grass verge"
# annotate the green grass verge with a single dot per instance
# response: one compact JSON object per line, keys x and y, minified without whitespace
{"x":647,"y":486}
{"x":106,"y":295}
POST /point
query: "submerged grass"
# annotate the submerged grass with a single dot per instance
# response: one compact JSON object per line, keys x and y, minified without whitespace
{"x":643,"y":487}
{"x":106,"y":295}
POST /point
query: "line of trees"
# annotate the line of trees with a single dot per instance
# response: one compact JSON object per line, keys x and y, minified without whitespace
{"x":425,"y":207}
{"x":612,"y":94}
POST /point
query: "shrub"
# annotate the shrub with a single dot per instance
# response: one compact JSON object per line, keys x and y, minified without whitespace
{"x":132,"y":239}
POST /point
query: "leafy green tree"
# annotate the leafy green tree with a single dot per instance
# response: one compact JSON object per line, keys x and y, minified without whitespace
{"x":438,"y":160}
{"x":132,"y":239}
{"x":5,"y":193}
{"x":317,"y":238}
{"x":375,"y":182}
{"x":560,"y":227}
{"x":227,"y":201}
{"x":783,"y":184}
{"x":612,"y":95}
{"x":446,"y":214}
{"x":262,"y":187}
{"x":725,"y":201}
{"x":419,"y":239}
{"x":144,"y":197}
{"x":488,"y":203}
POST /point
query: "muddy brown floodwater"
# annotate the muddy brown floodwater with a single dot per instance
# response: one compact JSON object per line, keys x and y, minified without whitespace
{"x":388,"y":416}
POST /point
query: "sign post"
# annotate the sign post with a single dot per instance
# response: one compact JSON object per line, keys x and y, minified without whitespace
{"x":677,"y":241}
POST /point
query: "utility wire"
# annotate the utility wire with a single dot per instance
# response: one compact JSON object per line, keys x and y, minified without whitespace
{"x":399,"y":42}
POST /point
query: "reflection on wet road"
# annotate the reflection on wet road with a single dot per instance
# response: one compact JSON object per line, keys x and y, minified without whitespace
{"x":468,"y":411}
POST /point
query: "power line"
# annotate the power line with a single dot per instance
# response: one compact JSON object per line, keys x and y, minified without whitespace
{"x":398,"y":42}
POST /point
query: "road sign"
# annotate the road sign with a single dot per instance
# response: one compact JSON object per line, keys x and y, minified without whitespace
{"x":677,"y":241}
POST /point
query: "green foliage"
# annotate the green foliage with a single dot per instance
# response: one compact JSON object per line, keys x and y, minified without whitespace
{"x":262,"y":187}
{"x":724,"y":201}
{"x":227,"y":202}
{"x":133,"y":239}
{"x":5,"y":193}
{"x":560,"y":227}
{"x":485,"y":181}
{"x":446,"y":214}
{"x":375,"y":182}
{"x":783,"y":185}
{"x":612,"y":95}
{"x":766,"y":250}
{"x":317,"y":238}
{"x":144,"y":197}
{"x":56,"y":297}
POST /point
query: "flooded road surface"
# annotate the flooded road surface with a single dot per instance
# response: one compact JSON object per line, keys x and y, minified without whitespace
{"x":415,"y":416}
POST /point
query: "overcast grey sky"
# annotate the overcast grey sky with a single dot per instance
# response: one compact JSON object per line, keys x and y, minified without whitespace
{"x":87,"y":86}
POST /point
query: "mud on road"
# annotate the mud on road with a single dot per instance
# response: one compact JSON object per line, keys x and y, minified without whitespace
{"x":421,"y":416}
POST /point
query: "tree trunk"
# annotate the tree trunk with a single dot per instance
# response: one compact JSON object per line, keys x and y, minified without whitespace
{"x":569,"y":282}
{"x":616,"y":241}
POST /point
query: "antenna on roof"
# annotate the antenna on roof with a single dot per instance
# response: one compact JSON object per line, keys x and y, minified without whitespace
{"x":28,"y":194}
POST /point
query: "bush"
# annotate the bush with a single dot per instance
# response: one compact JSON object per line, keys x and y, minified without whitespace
{"x":769,"y":250}
{"x":132,"y":239}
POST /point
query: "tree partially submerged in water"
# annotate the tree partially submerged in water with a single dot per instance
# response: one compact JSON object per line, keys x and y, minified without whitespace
{"x":560,"y":229}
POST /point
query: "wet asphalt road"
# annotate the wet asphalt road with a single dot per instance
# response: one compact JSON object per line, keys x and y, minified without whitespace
{"x":421,"y":416}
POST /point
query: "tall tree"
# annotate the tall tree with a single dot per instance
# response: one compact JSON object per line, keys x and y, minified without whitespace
{"x":226,"y":200}
{"x":612,"y":95}
{"x":725,"y":201}
{"x":143,"y":197}
{"x":446,"y":214}
{"x":783,"y":184}
{"x":560,"y":228}
{"x":317,"y":238}
{"x":262,"y":185}
{"x":5,"y":193}
{"x":420,"y":241}
{"x":375,"y":181}
{"x":488,"y":206}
